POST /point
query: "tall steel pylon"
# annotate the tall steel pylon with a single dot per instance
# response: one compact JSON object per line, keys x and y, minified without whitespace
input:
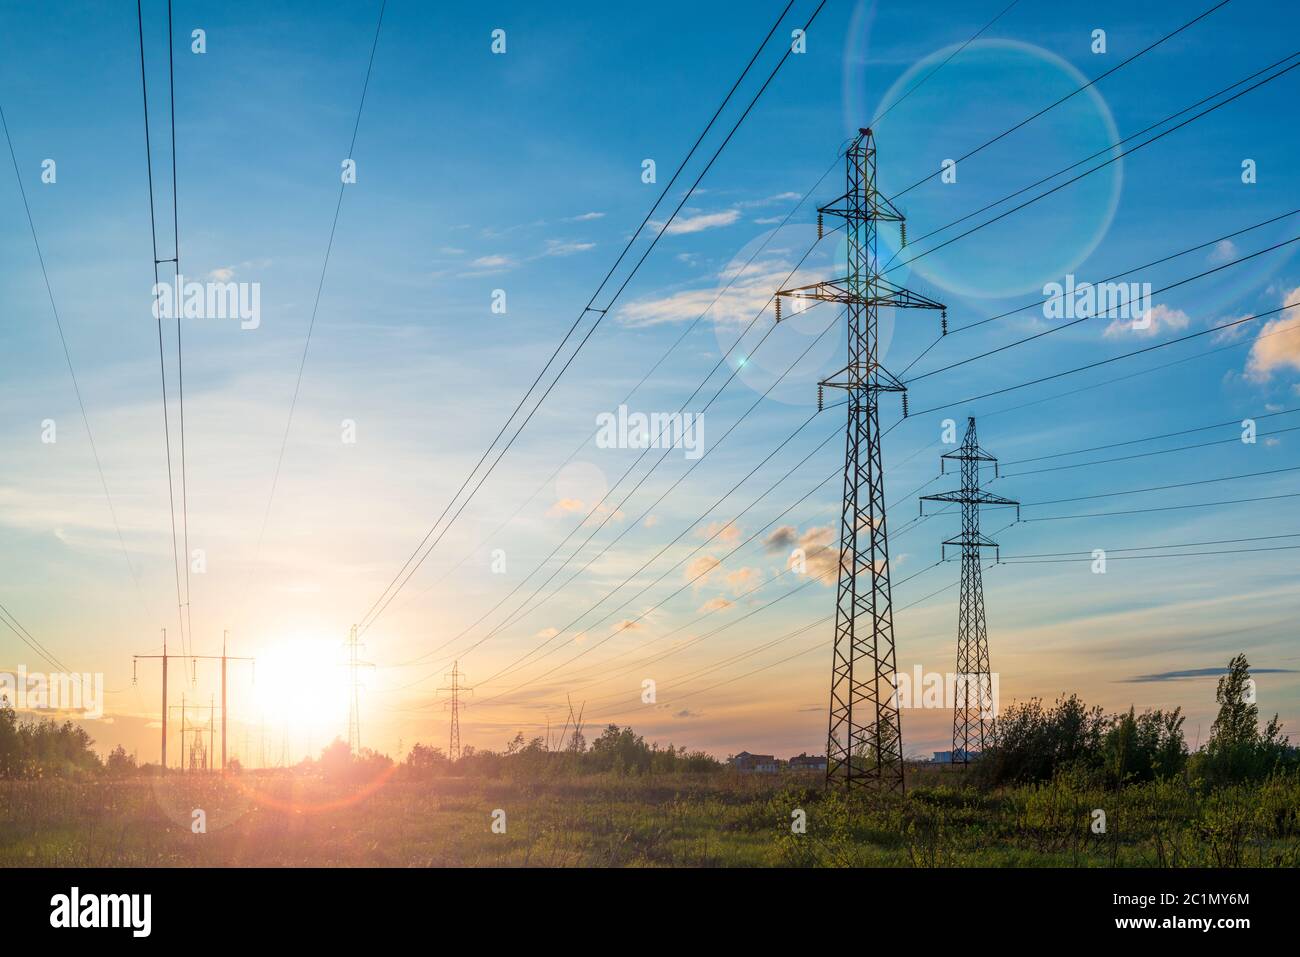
{"x":864,"y":740}
{"x":453,"y":747}
{"x":975,"y":703}
{"x":355,"y":664}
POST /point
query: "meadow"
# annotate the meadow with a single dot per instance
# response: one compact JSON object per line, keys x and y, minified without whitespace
{"x":290,"y":818}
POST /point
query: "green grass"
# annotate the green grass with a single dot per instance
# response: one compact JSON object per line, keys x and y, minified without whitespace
{"x":281,"y":819}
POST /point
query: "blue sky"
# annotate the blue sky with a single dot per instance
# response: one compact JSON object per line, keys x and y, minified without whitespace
{"x":522,"y":172}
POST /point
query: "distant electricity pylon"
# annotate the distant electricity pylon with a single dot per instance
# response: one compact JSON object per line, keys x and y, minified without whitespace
{"x":224,"y":658}
{"x":974,"y":705}
{"x":355,"y":664}
{"x":453,"y":746}
{"x":864,"y":740}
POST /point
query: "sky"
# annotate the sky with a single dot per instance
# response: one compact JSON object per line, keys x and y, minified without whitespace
{"x":486,"y":178}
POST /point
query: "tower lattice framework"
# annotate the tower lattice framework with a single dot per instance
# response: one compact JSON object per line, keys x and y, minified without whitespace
{"x":975,"y":703}
{"x":355,"y":664}
{"x":864,"y":738}
{"x":455,"y":688}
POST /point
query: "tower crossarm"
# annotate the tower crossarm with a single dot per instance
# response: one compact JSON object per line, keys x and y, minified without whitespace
{"x":969,"y":497}
{"x":881,"y":209}
{"x":882,"y":294}
{"x":965,"y":454}
{"x":973,"y":540}
{"x":867,"y":376}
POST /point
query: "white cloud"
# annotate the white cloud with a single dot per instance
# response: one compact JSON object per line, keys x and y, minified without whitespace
{"x":820,"y":555}
{"x":742,"y":579}
{"x":699,"y":570}
{"x":770,"y":200}
{"x":716,"y":604}
{"x":1224,"y":251}
{"x":1232,"y":333}
{"x":750,"y":291}
{"x":699,"y":222}
{"x":725,"y":532}
{"x":559,"y":247}
{"x":1158,"y":318}
{"x":585,"y":217}
{"x":1278,"y":345}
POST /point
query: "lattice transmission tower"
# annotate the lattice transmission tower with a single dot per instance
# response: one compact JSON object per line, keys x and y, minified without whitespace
{"x":864,"y":740}
{"x":975,"y":704}
{"x":455,"y":688}
{"x":355,"y":664}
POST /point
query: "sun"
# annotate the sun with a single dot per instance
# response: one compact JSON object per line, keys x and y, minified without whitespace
{"x":301,"y":684}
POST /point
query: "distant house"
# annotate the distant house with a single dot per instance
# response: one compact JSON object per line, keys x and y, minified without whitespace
{"x":807,"y":762}
{"x":754,"y":763}
{"x":946,"y":757}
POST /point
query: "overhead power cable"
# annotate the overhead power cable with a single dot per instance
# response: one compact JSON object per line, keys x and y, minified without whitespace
{"x":421,"y":552}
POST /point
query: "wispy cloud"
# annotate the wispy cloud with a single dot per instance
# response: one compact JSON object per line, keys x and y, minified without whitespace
{"x":748,"y":290}
{"x":560,"y":247}
{"x":1157,"y":319}
{"x":1203,"y":673}
{"x":699,"y":222}
{"x":1278,"y":344}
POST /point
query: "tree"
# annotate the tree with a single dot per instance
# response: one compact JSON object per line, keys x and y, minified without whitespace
{"x":424,"y":761}
{"x":119,"y":763}
{"x":1238,"y":720}
{"x":1237,"y":749}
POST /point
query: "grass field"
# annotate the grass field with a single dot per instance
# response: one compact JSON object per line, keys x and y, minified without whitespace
{"x":283,"y":819}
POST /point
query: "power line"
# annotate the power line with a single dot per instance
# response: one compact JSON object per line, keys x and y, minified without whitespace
{"x":1106,"y":149}
{"x":670,"y":489}
{"x":320,"y":287}
{"x":1073,"y":93}
{"x":581,"y":315}
{"x":1147,"y":548}
{"x":736,"y":274}
{"x":553,"y":553}
{"x":796,"y":633}
{"x":1120,"y":558}
{"x":1104,"y":314}
{"x":162,"y":364}
{"x":907,"y":527}
{"x":1126,"y":355}
{"x":1141,"y":455}
{"x":691,"y":581}
{"x":180,"y":363}
{"x":921,"y":82}
{"x":67,"y":357}
{"x":660,"y":656}
{"x":30,"y":640}
{"x":1142,"y":372}
{"x":1099,"y":166}
{"x":1164,"y":508}
{"x":1161,"y":488}
{"x":381,"y":603}
{"x":1036,"y":304}
{"x":611,"y":512}
{"x":1148,"y":438}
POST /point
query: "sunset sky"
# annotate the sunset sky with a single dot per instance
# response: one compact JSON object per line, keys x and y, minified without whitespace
{"x":522,"y":172}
